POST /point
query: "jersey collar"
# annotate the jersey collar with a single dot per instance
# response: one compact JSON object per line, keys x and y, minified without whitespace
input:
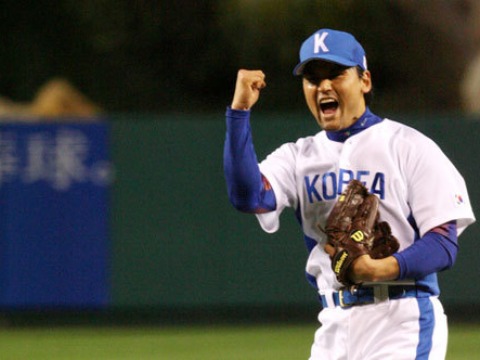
{"x":365,"y":121}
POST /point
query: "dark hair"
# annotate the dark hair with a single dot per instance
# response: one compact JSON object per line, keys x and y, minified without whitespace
{"x":368,"y":96}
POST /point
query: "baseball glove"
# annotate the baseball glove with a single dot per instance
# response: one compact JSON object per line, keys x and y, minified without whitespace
{"x":353,"y":229}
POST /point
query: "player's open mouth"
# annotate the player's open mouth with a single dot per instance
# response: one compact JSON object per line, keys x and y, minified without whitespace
{"x":328,"y":106}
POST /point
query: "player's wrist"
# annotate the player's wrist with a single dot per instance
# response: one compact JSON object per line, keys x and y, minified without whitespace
{"x":362,"y":269}
{"x":235,"y":111}
{"x":239,"y":106}
{"x":367,"y":269}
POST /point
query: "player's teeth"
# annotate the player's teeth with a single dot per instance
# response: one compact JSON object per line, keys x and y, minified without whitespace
{"x":328,"y":104}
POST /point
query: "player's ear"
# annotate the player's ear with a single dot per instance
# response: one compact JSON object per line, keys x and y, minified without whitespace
{"x":366,"y":80}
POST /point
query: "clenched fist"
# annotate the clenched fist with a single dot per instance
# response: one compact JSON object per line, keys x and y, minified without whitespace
{"x":247,"y":89}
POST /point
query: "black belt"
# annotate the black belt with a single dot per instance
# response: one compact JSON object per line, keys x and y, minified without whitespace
{"x":369,"y":295}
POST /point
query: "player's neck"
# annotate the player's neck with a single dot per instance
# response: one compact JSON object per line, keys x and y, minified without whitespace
{"x":363,"y":122}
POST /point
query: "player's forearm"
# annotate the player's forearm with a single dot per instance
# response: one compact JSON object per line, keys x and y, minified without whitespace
{"x":246,"y":189}
{"x":367,"y":269}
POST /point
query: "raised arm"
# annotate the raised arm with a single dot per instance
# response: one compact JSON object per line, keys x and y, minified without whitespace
{"x":248,"y":190}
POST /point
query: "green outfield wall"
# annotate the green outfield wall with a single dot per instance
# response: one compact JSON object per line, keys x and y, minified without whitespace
{"x":176,"y":241}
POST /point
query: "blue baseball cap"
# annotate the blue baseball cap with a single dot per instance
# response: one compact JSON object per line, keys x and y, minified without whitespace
{"x":334,"y":46}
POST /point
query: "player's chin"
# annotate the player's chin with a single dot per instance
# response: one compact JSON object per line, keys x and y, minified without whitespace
{"x":329,"y":124}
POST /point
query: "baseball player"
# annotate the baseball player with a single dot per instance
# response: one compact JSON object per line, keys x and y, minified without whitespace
{"x":393,"y":310}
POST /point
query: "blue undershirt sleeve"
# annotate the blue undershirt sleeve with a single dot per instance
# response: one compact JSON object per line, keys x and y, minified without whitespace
{"x":248,"y":190}
{"x":435,"y":251}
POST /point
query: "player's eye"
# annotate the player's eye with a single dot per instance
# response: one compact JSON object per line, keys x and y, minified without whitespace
{"x":337,"y":72}
{"x":313,"y":80}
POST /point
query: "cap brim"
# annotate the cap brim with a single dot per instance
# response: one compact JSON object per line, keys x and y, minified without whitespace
{"x":298,"y":70}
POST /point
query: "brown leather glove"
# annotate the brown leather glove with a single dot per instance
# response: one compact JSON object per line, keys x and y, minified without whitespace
{"x":353,"y":230}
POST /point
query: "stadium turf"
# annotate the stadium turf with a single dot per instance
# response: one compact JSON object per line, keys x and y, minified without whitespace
{"x":256,"y":342}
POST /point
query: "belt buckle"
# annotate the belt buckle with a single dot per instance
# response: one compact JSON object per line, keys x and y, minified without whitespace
{"x":381,"y":293}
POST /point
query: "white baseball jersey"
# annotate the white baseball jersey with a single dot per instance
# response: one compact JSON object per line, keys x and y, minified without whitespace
{"x":416,"y":183}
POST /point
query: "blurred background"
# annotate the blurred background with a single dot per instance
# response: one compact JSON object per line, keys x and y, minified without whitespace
{"x":112,"y":191}
{"x":157,"y":56}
